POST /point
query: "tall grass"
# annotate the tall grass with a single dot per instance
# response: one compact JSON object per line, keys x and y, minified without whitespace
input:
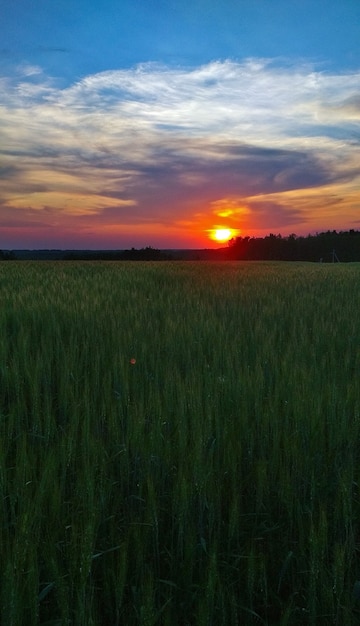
{"x":179,"y":444}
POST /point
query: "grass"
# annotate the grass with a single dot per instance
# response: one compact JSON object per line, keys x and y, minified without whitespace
{"x":212,"y":482}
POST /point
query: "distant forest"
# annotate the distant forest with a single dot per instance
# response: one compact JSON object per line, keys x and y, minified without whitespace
{"x":326,"y":247}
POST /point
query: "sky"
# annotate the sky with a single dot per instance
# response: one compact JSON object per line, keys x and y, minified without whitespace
{"x":133,"y":123}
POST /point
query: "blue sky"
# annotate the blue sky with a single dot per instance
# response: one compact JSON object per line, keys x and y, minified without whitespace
{"x":156,"y":122}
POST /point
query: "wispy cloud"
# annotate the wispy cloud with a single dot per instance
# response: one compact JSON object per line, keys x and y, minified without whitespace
{"x":253,"y":143}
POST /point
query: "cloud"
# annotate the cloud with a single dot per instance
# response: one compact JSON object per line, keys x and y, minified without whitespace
{"x":164,"y":146}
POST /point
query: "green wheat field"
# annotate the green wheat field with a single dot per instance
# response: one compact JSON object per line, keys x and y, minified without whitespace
{"x":179,"y":444}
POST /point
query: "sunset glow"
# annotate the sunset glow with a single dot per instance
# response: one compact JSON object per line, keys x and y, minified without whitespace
{"x":177,"y":138}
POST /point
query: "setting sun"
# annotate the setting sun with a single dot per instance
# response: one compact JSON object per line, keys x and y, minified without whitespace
{"x":221,"y":234}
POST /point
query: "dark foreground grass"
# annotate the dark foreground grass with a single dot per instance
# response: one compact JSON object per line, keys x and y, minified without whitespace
{"x":179,"y":444}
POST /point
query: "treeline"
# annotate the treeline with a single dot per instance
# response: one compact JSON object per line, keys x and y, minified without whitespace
{"x":343,"y":246}
{"x":7,"y":255}
{"x":325,"y":247}
{"x":143,"y":254}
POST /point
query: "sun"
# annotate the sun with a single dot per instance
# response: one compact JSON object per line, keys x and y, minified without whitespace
{"x":222,"y":234}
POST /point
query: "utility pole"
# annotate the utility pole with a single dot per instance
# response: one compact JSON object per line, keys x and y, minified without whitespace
{"x":335,"y":256}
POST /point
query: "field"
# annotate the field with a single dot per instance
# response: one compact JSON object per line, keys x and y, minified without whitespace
{"x":179,"y":444}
